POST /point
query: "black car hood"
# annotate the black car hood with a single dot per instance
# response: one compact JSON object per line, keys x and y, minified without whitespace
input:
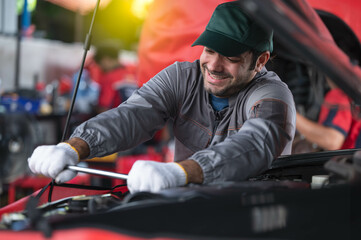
{"x":299,"y":28}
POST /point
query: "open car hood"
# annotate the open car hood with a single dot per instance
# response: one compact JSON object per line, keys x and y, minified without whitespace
{"x":302,"y":36}
{"x":299,"y":29}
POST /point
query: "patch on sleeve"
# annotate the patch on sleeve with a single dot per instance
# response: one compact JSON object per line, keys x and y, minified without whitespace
{"x":274,"y":110}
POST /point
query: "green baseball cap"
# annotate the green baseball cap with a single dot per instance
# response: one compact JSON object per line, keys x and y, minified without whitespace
{"x":231,"y":32}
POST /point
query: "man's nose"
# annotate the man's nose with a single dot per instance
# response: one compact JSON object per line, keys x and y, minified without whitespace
{"x":215,"y":63}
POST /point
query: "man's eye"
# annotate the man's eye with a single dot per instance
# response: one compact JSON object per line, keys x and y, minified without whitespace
{"x":234,"y":60}
{"x":209,"y":50}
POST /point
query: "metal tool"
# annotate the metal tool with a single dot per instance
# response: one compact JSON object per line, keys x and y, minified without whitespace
{"x":98,"y":172}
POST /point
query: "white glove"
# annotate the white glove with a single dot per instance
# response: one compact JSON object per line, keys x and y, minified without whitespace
{"x":154,"y":176}
{"x":50,"y":161}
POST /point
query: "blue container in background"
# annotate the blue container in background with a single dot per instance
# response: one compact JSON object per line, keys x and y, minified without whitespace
{"x":16,"y":104}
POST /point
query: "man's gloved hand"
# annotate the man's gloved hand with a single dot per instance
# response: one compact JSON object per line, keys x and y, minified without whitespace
{"x":50,"y":161}
{"x":154,"y":176}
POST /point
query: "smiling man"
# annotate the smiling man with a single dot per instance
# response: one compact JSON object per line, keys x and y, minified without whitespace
{"x":231,"y":117}
{"x":222,"y":79}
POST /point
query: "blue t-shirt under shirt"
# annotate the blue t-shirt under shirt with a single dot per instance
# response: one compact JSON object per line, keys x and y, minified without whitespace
{"x":218,"y":103}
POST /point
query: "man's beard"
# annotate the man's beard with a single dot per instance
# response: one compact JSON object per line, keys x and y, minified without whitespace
{"x":229,"y":90}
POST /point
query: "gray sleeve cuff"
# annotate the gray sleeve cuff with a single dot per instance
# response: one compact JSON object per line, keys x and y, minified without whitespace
{"x":91,"y":140}
{"x":202,"y":158}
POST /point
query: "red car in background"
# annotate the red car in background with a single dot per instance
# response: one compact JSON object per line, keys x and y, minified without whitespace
{"x":279,"y":204}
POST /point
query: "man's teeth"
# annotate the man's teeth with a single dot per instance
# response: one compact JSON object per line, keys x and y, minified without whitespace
{"x":217,"y":76}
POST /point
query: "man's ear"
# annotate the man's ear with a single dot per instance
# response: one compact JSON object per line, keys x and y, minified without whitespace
{"x":262,"y":60}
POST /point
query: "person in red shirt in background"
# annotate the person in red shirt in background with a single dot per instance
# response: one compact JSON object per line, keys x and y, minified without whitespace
{"x":116,"y":80}
{"x":337,"y":127}
{"x":106,"y":81}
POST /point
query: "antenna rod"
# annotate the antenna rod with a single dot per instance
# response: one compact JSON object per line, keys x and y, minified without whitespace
{"x":86,"y":48}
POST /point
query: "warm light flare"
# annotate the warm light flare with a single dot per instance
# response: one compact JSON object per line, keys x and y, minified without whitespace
{"x":140,"y":8}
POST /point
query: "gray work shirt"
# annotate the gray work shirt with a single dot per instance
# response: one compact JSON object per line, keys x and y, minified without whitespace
{"x":234,"y":144}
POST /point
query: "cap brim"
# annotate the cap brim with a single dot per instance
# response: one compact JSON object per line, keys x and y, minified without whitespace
{"x":221,"y":44}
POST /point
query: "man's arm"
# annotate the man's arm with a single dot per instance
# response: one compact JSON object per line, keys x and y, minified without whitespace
{"x":266,"y":133}
{"x":80,"y":146}
{"x":193,"y":170}
{"x":136,"y":120}
{"x":325,"y":137}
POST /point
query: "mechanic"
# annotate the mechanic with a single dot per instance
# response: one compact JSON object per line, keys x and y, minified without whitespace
{"x":115,"y":79}
{"x":337,"y":127}
{"x":231,"y":116}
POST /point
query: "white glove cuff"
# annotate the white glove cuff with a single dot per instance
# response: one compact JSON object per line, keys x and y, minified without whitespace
{"x":69,"y":150}
{"x":179,"y":172}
